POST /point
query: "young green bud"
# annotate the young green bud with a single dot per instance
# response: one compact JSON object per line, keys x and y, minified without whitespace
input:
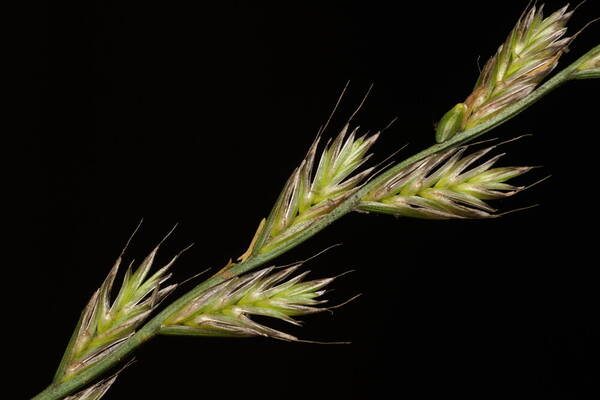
{"x":450,"y":123}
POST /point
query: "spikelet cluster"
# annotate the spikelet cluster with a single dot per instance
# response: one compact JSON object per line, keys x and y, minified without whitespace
{"x":308,"y":196}
{"x":444,"y":186}
{"x":529,"y":54}
{"x":104,"y":325}
{"x":225,"y":309}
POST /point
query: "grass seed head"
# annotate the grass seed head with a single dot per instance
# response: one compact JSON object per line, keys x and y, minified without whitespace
{"x":528,"y":55}
{"x":225,"y":309}
{"x":105,"y":325}
{"x":445,"y":186}
{"x":311,"y":193}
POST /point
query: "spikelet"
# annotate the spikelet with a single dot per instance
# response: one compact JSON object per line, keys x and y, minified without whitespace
{"x":590,"y":68}
{"x":307,"y":197}
{"x":94,"y":392}
{"x":104,"y":326}
{"x":592,"y":63}
{"x":443,"y":186}
{"x":224,"y":309}
{"x":529,"y":54}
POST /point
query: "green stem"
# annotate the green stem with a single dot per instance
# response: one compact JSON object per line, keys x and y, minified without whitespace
{"x":58,"y":389}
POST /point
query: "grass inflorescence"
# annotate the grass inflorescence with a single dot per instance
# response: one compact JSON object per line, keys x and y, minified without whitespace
{"x":440,"y":182}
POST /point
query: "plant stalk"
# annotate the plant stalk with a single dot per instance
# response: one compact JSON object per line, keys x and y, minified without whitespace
{"x":57,"y":390}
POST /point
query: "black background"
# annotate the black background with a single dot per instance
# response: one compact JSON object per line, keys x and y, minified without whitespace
{"x":197,"y":113}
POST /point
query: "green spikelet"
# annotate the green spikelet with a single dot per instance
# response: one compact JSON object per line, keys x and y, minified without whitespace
{"x":530,"y":53}
{"x":443,"y":187}
{"x":308,"y":196}
{"x":224,"y":310}
{"x":94,"y":392}
{"x":590,"y":68}
{"x":104,"y":325}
